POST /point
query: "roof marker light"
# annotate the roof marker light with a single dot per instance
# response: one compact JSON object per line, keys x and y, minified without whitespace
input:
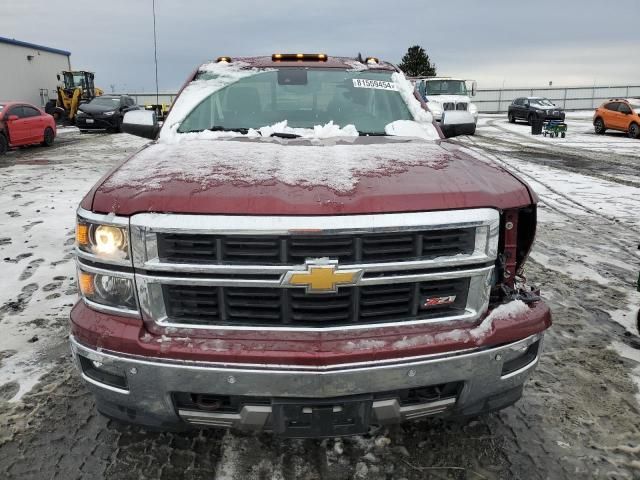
{"x":223,"y":60}
{"x":299,"y":57}
{"x":371,"y":61}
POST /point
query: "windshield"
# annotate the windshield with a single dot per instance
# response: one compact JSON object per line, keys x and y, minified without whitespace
{"x":445,"y":87}
{"x":541,"y":101}
{"x":105,"y":101}
{"x":304,"y":98}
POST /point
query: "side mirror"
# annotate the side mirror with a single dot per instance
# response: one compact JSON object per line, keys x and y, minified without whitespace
{"x":142,"y":123}
{"x":474,"y":87}
{"x":457,"y":122}
{"x":13,"y":118}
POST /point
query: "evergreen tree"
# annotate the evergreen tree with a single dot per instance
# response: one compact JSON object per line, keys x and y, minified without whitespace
{"x":416,"y":63}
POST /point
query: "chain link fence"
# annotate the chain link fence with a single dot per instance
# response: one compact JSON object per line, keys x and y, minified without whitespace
{"x":570,"y":98}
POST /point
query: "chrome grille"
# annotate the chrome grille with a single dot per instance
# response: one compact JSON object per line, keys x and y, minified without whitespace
{"x":229,"y":272}
{"x":219,"y":305}
{"x":294,"y":249}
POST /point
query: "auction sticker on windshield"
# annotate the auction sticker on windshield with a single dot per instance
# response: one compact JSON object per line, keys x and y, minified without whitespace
{"x":378,"y":84}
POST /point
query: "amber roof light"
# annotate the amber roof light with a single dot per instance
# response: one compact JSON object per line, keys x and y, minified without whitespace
{"x":299,"y":57}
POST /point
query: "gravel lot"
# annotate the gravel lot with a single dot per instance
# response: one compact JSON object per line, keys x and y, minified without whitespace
{"x":580,"y":417}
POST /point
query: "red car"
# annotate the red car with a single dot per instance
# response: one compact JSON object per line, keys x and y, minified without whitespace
{"x":23,"y":124}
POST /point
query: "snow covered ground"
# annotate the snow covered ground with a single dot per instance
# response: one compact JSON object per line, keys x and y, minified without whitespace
{"x":40,"y":191}
{"x":579,"y":418}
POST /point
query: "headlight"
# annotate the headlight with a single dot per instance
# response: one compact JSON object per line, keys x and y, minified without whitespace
{"x":435,"y":108}
{"x":473,"y":108}
{"x":79,"y":113}
{"x":108,"y":114}
{"x":109,"y":242}
{"x":108,"y":290}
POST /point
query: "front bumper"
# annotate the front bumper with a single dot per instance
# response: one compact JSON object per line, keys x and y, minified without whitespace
{"x":144,"y":388}
{"x":99,"y":123}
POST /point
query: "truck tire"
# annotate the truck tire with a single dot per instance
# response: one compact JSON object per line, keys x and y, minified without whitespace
{"x":599,"y":127}
{"x":49,"y":136}
{"x":634,"y":130}
{"x":50,"y":107}
{"x":4,"y":145}
{"x":512,"y":118}
{"x":531,"y":118}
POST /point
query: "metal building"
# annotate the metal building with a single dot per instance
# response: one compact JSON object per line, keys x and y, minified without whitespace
{"x":29,"y":71}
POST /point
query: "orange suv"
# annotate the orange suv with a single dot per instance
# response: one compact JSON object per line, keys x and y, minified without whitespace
{"x":618,"y":114}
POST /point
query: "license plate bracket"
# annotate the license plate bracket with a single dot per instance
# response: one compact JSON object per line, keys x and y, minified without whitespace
{"x":299,"y":418}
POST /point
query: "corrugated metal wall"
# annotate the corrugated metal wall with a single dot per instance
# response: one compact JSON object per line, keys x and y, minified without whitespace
{"x":23,"y":78}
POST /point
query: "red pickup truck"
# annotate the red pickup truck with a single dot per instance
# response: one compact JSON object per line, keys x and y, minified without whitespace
{"x":299,"y":251}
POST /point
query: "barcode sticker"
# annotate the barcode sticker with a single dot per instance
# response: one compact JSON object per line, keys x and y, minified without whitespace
{"x":377,"y":84}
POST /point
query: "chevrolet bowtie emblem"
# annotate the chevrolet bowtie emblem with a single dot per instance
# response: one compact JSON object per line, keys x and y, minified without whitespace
{"x":321,"y":276}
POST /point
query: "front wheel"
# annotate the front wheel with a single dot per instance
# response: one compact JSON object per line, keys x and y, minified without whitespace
{"x":531,"y":118}
{"x":4,"y":145}
{"x":634,"y":130}
{"x":512,"y":118}
{"x":49,"y":136}
{"x":599,"y":127}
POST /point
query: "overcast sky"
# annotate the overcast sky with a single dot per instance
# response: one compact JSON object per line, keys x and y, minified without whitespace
{"x":515,"y":43}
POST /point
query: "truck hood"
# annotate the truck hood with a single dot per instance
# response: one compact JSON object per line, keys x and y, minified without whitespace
{"x":448,"y":98}
{"x":360,"y":175}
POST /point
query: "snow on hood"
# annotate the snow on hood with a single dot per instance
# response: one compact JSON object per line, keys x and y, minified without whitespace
{"x":337,"y":165}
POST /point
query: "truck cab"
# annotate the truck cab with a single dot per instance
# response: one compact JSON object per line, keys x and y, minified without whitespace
{"x":448,"y":94}
{"x":299,"y":251}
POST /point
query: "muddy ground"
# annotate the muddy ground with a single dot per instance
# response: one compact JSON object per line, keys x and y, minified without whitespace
{"x":579,"y":418}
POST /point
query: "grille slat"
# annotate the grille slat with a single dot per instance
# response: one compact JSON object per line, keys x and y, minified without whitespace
{"x":248,"y":306}
{"x":295,"y":249}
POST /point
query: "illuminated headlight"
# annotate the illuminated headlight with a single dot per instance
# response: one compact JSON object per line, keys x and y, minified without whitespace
{"x":108,"y":290}
{"x":109,"y":242}
{"x":108,"y":114}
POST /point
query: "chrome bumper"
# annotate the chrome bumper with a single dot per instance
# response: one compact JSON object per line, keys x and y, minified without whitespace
{"x":150,"y":382}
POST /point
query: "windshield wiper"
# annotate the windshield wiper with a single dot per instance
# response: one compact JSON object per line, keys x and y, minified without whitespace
{"x":218,"y":128}
{"x":372,"y":134}
{"x":285,"y":135}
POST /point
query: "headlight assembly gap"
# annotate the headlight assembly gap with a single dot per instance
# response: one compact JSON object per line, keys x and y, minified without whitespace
{"x":105,"y":241}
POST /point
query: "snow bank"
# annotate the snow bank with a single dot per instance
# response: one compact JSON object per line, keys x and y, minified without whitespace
{"x":338,"y":166}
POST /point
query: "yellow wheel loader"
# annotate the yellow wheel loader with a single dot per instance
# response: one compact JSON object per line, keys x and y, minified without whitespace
{"x":74,"y":88}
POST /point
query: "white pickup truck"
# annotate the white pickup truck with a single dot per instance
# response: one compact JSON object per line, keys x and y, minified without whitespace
{"x":446,"y":95}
